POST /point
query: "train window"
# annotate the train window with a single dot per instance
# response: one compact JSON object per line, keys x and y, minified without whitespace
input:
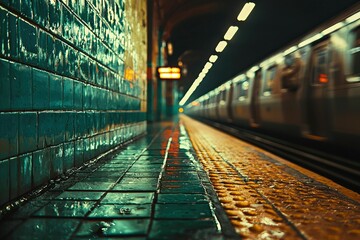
{"x":243,"y":88}
{"x":290,"y":73}
{"x":269,"y":80}
{"x":222,"y":97}
{"x":320,"y":65}
{"x":355,"y":56}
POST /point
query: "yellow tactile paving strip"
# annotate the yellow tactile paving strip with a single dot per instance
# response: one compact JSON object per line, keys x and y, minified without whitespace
{"x":263,"y":199}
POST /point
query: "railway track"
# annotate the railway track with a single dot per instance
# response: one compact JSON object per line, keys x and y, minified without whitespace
{"x":324,"y":160}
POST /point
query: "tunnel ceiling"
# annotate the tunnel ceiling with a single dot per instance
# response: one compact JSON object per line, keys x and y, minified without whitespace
{"x":194,"y":27}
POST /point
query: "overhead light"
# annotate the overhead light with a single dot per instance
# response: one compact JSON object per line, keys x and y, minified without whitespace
{"x":208,"y":65}
{"x":245,"y":11}
{"x":170,"y":49}
{"x":230,"y":32}
{"x":290,"y":50}
{"x":332,"y":28}
{"x":202,"y":74}
{"x":310,"y":40}
{"x":353,"y":18}
{"x":221,"y":46}
{"x":205,"y":70}
{"x":213,"y":58}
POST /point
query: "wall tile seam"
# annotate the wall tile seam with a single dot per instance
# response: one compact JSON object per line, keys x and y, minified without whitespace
{"x":63,"y":40}
{"x":11,"y":61}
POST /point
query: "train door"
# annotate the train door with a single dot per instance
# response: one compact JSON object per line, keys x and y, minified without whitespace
{"x":317,"y":101}
{"x":254,"y":104}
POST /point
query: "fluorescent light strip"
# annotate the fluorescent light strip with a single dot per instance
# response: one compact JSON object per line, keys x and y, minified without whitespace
{"x":310,"y":40}
{"x":213,"y":58}
{"x":230,"y":32}
{"x":332,"y":28}
{"x":245,"y":11}
{"x":221,"y":46}
{"x":290,"y":50}
{"x":353,"y":18}
{"x":208,"y":65}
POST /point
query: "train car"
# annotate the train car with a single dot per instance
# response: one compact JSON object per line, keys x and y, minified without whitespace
{"x":309,"y":89}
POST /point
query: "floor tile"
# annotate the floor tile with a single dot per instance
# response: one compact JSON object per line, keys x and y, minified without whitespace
{"x":199,"y":229}
{"x":181,"y":198}
{"x":121,"y":211}
{"x":128,"y":198}
{"x":65,"y":209}
{"x":94,"y":186}
{"x":114,"y":228}
{"x":182,"y":211}
{"x":41,"y":228}
{"x":80,"y":195}
{"x":136,"y":187}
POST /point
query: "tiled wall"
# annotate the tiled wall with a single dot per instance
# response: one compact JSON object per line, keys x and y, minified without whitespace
{"x":72,"y":85}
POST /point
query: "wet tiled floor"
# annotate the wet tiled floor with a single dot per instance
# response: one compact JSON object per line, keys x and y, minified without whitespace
{"x":153,"y":188}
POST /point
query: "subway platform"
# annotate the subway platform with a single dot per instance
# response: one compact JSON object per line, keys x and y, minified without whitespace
{"x":186,"y":180}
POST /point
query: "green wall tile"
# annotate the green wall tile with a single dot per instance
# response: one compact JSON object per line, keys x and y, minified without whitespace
{"x":59,"y":55}
{"x":25,"y":173}
{"x":4,"y":25}
{"x":67,"y":21}
{"x":28,"y":42}
{"x":56,"y":92}
{"x":79,"y":153}
{"x":4,"y":85}
{"x":41,"y":11}
{"x":55,"y":10}
{"x":8,"y":134}
{"x":57,"y":158}
{"x":6,"y":2}
{"x":45,"y":129}
{"x":68,"y":155}
{"x":27,"y":8}
{"x":21,"y":86}
{"x":5,"y":181}
{"x":87,"y":96}
{"x":13,"y":36}
{"x":16,"y":5}
{"x":78,"y":95}
{"x":41,"y":90}
{"x":84,"y":67}
{"x":71,"y":67}
{"x":69,"y":119}
{"x":41,"y":167}
{"x":50,"y":46}
{"x":42,"y":38}
{"x":14,"y":177}
{"x":68,"y":101}
{"x":79,"y":124}
{"x":27,"y":132}
{"x":58,"y":126}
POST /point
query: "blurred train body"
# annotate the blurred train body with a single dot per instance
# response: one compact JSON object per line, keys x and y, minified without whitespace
{"x":310,"y":89}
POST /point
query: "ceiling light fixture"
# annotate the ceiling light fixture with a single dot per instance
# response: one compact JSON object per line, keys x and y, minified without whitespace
{"x":213,"y":58}
{"x":230,"y":32}
{"x":245,"y":11}
{"x":221,"y":46}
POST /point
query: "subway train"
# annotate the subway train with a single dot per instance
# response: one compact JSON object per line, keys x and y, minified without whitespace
{"x":310,"y":89}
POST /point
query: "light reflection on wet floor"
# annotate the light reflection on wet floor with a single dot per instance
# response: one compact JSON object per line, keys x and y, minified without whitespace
{"x":151,"y":189}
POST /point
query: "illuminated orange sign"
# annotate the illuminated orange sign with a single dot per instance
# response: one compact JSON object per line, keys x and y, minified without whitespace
{"x":169,"y":73}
